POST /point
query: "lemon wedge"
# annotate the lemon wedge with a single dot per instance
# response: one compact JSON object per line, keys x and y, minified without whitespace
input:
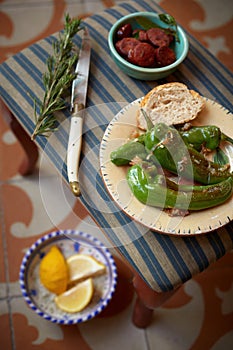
{"x":53,"y":271}
{"x":83,"y":266}
{"x":76,"y":298}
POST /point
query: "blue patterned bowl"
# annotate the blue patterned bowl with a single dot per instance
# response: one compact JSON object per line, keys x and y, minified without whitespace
{"x":70,"y":242}
{"x":180,"y":48}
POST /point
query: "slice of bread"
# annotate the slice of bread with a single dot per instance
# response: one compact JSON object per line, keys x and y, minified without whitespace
{"x":171,"y":103}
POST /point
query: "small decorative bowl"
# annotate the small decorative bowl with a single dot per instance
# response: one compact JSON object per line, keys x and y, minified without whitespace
{"x":180,"y":48}
{"x":70,"y":242}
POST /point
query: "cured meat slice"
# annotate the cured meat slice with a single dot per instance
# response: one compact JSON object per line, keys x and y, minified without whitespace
{"x":164,"y":56}
{"x":142,"y":55}
{"x":124,"y":45}
{"x":158,"y":37}
{"x":140,"y":34}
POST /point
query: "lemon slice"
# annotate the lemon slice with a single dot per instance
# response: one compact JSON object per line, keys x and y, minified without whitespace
{"x":54,"y":271}
{"x":83,"y":266}
{"x":76,"y":298}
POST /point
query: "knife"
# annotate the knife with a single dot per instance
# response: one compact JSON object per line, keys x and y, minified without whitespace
{"x":78,"y":101}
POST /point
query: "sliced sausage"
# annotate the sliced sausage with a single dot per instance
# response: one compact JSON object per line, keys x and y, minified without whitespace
{"x":140,"y":34}
{"x":142,"y":55}
{"x":158,"y":37}
{"x":164,"y":56}
{"x":125,"y":31}
{"x":124,"y":45}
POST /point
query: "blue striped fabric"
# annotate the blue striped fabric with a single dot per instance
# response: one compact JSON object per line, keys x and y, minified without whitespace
{"x":163,"y":261}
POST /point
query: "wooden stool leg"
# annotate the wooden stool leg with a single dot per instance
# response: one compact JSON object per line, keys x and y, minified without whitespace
{"x":147,"y":300}
{"x":142,"y":315}
{"x":29,"y":147}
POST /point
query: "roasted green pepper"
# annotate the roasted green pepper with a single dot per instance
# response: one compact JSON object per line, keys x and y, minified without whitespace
{"x":207,"y":172}
{"x":154,"y":192}
{"x":220,"y":157}
{"x":168,"y":149}
{"x":197,"y":136}
{"x":128,"y":151}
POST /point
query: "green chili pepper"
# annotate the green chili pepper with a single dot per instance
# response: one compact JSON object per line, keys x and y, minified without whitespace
{"x":128,"y":151}
{"x":220,"y":157}
{"x":208,"y":136}
{"x":226,"y":138}
{"x":154,"y":192}
{"x":168,"y":149}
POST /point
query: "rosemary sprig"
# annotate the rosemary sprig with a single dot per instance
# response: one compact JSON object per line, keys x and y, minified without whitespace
{"x":57,"y":79}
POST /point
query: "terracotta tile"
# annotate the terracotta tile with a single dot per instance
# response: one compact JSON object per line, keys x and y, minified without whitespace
{"x":199,"y":316}
{"x":217,"y":294}
{"x":9,"y":148}
{"x":114,"y":333}
{"x":6,"y":336}
{"x":18,"y":17}
{"x":3,"y":277}
{"x":41,"y":334}
{"x":91,"y":335}
{"x":18,"y":215}
{"x":27,"y":217}
{"x":204,"y":22}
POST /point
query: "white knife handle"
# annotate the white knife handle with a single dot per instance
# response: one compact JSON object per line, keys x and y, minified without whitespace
{"x":74,"y":151}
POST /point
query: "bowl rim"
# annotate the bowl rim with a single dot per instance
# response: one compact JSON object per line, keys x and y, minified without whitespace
{"x":143,"y":69}
{"x":41,"y":242}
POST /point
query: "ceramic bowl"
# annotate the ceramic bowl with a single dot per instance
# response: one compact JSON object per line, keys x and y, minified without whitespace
{"x":180,"y":48}
{"x":70,"y":242}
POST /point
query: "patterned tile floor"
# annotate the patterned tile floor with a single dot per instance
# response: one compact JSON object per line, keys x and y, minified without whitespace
{"x":200,"y":315}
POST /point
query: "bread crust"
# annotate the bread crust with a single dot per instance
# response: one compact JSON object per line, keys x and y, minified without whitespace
{"x":171,"y":103}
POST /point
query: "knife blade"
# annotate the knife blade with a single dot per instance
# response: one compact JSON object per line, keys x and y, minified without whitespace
{"x":78,"y":102}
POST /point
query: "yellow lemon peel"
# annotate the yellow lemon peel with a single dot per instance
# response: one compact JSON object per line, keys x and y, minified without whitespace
{"x":76,"y":298}
{"x":53,"y":271}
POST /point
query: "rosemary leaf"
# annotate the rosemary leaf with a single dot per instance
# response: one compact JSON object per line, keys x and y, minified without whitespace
{"x":58,"y":78}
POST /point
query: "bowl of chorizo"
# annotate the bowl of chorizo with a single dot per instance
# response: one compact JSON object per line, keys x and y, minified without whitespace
{"x":147,"y":45}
